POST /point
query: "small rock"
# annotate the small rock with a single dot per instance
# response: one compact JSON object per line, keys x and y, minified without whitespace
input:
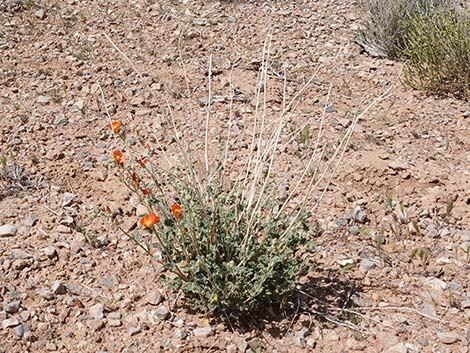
{"x":59,"y":288}
{"x":398,"y":165}
{"x":50,"y":252}
{"x":465,"y":304}
{"x":40,"y":14}
{"x":95,"y":325}
{"x":449,"y":337}
{"x":158,"y":314}
{"x":64,"y":229}
{"x":115,"y":315}
{"x":20,"y":254}
{"x":8,"y":230}
{"x":354,"y":345}
{"x":154,"y":297}
{"x":429,"y":310}
{"x":45,"y":293}
{"x":96,"y":311}
{"x":431,"y":231}
{"x":311,"y":342}
{"x":31,"y":220}
{"x":359,"y":215}
{"x":386,"y":340}
{"x":101,"y":175}
{"x":241,"y":343}
{"x":114,"y":322}
{"x":367,"y":265}
{"x":203,"y":331}
{"x":25,"y":315}
{"x":345,"y":262}
{"x":12,"y":307}
{"x":68,"y":198}
{"x":67,"y":221}
{"x":435,"y":283}
{"x":79,"y":105}
{"x":231,"y":348}
{"x":398,"y":348}
{"x":354,"y":230}
{"x":12,"y":322}
{"x":330,"y":109}
{"x":107,"y":282}
{"x":422,"y":341}
{"x":132,"y":331}
{"x":21,"y":329}
{"x":180,"y":334}
{"x":43,"y":99}
{"x":141,"y":210}
{"x":60,"y":120}
{"x":31,"y":283}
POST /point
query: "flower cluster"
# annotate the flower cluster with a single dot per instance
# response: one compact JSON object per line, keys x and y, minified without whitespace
{"x":151,"y":219}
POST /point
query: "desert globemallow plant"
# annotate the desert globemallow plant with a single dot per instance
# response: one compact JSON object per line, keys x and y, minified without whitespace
{"x":227,"y":257}
{"x":231,"y":245}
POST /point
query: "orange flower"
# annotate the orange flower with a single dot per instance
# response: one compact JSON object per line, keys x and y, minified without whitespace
{"x":142,"y":161}
{"x":107,"y":209}
{"x":177,"y":210}
{"x":147,"y":146}
{"x":149,"y":220}
{"x":116,"y":126}
{"x":119,"y":157}
{"x":145,"y":192}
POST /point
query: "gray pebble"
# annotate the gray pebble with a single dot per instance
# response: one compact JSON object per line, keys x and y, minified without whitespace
{"x":43,"y":99}
{"x":60,"y":120}
{"x":8,"y":230}
{"x":68,"y":198}
{"x":203,"y":331}
{"x":115,"y":315}
{"x":19,"y":330}
{"x":429,"y":310}
{"x":96,"y":311}
{"x":359,"y":215}
{"x":431,"y":231}
{"x":154,"y":297}
{"x":114,"y":322}
{"x":12,"y":307}
{"x":45,"y":293}
{"x":40,"y":14}
{"x":107,"y":282}
{"x":162,"y":312}
{"x":12,"y":322}
{"x":330,"y":109}
{"x":422,"y":341}
{"x":231,"y":348}
{"x":59,"y":288}
{"x":132,"y":331}
{"x":180,"y":334}
{"x":448,"y":337}
{"x":354,"y":230}
{"x":20,"y":254}
{"x":31,"y":220}
{"x":367,"y":265}
{"x":50,"y":252}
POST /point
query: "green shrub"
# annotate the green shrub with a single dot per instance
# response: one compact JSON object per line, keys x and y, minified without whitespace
{"x":437,"y":52}
{"x":431,"y":36}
